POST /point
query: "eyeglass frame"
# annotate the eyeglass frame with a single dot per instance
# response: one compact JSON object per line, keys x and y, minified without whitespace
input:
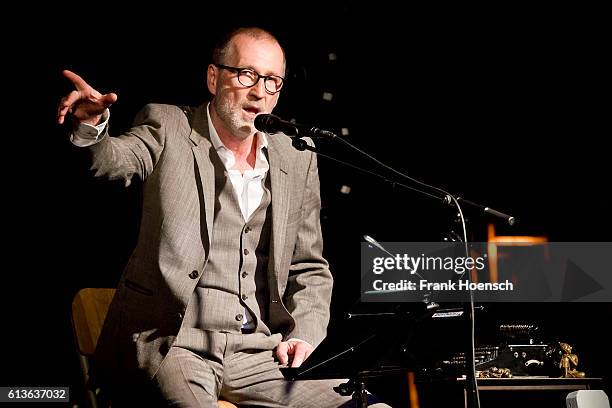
{"x":259,"y":76}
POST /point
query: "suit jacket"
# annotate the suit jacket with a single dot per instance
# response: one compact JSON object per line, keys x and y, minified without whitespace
{"x":170,"y":150}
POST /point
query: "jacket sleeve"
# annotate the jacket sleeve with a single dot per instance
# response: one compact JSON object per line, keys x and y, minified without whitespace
{"x":309,"y":286}
{"x":137,"y":151}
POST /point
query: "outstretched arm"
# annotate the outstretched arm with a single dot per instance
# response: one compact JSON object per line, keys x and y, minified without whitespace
{"x":136,"y":151}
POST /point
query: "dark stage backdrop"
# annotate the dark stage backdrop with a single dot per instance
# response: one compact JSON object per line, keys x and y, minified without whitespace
{"x":505,"y":107}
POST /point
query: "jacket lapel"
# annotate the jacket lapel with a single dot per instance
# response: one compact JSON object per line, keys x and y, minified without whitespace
{"x":280,"y":199}
{"x":202,"y":152}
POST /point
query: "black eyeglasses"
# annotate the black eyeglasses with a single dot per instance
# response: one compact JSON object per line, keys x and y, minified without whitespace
{"x":247,"y":77}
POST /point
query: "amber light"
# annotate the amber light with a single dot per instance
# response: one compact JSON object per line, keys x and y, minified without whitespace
{"x":495,"y":241}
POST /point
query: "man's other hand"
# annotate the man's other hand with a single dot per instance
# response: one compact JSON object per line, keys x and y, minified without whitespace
{"x":294,"y":351}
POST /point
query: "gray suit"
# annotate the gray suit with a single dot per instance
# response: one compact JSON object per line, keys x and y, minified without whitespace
{"x":173,"y":155}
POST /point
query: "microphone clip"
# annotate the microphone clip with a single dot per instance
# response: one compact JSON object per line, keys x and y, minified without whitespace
{"x":301,"y":145}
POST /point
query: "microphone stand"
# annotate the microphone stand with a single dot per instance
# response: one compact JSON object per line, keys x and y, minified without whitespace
{"x":301,"y":144}
{"x":472,"y":394}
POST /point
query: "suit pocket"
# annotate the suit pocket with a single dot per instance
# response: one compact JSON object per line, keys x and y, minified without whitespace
{"x":136,"y":287}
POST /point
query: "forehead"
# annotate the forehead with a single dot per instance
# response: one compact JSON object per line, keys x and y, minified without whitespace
{"x":261,"y":54}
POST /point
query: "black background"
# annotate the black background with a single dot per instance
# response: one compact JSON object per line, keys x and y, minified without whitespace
{"x":505,"y":106}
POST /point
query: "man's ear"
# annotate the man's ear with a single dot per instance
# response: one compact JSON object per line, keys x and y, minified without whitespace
{"x":211,"y":79}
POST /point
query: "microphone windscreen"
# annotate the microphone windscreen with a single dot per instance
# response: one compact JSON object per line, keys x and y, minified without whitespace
{"x":266,"y":123}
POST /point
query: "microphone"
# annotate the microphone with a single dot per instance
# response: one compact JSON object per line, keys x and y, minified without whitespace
{"x":273,"y":124}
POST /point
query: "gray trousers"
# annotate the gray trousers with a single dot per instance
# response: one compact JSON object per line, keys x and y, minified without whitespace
{"x":229,"y":368}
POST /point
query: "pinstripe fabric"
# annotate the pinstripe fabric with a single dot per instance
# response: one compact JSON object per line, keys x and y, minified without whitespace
{"x":235,"y":371}
{"x":231,"y":279}
{"x":174,"y":157}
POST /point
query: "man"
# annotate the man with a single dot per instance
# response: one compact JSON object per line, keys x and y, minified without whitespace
{"x":227,"y":280}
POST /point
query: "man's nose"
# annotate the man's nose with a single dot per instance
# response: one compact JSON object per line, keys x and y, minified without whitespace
{"x":259,"y":89}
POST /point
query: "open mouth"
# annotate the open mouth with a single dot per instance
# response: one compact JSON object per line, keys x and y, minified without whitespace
{"x":252,"y":110}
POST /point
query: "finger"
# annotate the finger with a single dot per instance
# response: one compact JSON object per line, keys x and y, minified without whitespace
{"x":66,"y":104}
{"x":299,"y":355}
{"x":78,"y":82}
{"x":72,"y":98}
{"x":308,"y":353}
{"x":281,"y":353}
{"x":61,"y":114}
{"x":61,"y":111}
{"x":108,"y":99}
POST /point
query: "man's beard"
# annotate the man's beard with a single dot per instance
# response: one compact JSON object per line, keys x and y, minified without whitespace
{"x":232,"y":120}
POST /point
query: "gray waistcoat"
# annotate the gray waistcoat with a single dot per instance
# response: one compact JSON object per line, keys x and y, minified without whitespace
{"x":235,"y":276}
